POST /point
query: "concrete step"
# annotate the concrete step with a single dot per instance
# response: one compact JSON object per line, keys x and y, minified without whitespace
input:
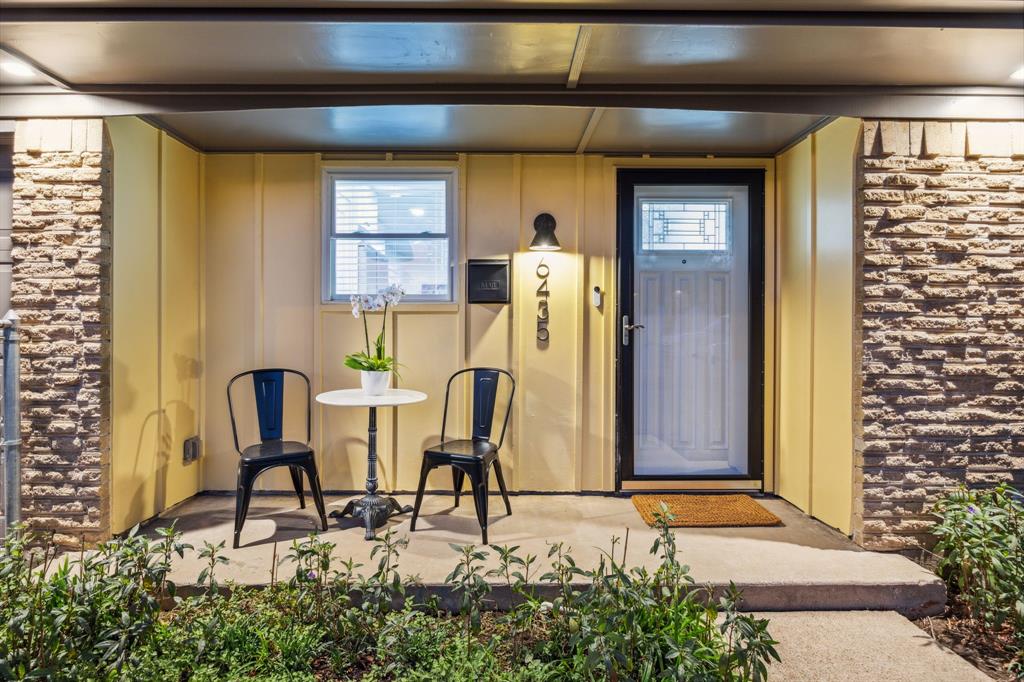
{"x":857,"y":646}
{"x":801,"y":565}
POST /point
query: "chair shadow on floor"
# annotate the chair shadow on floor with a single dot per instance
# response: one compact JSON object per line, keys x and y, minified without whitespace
{"x":289,"y":523}
{"x":447,"y":522}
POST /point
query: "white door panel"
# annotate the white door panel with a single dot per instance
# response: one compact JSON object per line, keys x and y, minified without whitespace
{"x":691,"y":358}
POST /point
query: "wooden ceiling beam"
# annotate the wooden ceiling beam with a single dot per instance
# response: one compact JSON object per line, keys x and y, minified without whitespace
{"x":579,"y":54}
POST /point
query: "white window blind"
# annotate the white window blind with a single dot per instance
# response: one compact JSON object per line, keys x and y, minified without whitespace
{"x":388,"y":229}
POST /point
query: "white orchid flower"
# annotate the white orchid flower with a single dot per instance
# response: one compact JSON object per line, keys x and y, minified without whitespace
{"x":392,"y":294}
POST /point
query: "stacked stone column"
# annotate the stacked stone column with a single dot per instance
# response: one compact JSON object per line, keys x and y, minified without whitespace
{"x":61,"y":291}
{"x":941,"y":328}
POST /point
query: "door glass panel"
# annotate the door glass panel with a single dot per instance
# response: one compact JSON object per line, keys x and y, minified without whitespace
{"x":680,"y":225}
{"x":691,"y":266}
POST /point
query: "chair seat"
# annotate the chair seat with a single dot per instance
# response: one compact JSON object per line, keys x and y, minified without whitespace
{"x":463,"y":449}
{"x":276,"y":451}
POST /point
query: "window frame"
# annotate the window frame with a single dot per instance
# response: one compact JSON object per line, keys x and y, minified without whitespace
{"x":327,"y":264}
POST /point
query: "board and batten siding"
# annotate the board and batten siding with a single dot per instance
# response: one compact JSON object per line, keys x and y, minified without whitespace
{"x":263,"y":300}
{"x":263,"y":260}
{"x":816,"y":322}
{"x":254,"y":300}
{"x":156,"y":366}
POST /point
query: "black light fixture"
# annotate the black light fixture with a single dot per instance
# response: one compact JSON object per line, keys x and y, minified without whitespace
{"x":545,"y":239}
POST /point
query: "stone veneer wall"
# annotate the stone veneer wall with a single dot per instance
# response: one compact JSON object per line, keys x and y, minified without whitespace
{"x":61,"y":290}
{"x":941,"y":314}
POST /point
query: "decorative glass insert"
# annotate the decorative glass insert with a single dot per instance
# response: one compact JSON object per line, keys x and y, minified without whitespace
{"x":391,"y":228}
{"x":684,"y":225}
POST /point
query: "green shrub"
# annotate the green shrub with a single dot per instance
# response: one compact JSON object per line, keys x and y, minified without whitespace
{"x":98,"y":618}
{"x":981,"y":548}
{"x":216,"y":637}
{"x":81,"y":620}
{"x":636,"y":625}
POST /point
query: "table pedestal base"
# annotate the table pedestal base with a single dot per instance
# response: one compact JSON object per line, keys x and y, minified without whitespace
{"x":374,"y":511}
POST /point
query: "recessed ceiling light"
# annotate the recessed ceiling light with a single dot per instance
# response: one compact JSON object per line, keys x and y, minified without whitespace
{"x":1018,"y":75}
{"x":16,"y":68}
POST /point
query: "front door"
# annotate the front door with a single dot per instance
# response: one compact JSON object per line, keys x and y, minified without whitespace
{"x":690,"y":384}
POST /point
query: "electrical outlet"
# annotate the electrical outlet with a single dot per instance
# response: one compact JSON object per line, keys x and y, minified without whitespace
{"x":191,"y":449}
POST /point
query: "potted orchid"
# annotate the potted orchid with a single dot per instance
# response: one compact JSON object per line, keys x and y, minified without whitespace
{"x":374,"y":366}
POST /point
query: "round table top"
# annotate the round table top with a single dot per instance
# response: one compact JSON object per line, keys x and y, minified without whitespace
{"x":355,"y":397}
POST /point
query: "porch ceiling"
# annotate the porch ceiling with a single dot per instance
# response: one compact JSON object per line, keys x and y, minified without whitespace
{"x":315,"y":74}
{"x":298,"y":49}
{"x":489,"y":128}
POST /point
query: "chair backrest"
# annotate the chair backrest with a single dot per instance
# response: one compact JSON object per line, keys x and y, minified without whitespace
{"x":268,"y":391}
{"x":486,"y":381}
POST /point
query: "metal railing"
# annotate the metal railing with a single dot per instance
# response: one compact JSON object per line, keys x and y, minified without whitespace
{"x":10,"y":426}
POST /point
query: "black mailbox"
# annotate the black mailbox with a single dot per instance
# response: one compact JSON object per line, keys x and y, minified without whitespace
{"x":487,"y":281}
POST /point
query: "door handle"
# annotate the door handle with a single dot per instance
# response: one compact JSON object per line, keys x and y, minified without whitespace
{"x":627,"y":328}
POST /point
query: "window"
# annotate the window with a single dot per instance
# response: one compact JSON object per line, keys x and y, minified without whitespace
{"x":387,"y":228}
{"x":682,"y":225}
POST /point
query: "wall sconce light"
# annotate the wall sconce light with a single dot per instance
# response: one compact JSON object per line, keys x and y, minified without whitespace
{"x":545,"y":239}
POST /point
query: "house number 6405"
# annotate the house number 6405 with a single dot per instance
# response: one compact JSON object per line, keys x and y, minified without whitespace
{"x":543,"y":293}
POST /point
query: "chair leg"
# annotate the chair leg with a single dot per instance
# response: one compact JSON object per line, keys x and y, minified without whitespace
{"x":296,"y":473}
{"x":242,"y":496}
{"x":424,"y":470}
{"x":458,"y":476}
{"x":501,"y":486}
{"x":314,"y":487}
{"x":478,"y":479}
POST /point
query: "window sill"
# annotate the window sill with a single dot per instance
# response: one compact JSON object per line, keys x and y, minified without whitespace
{"x":404,"y":308}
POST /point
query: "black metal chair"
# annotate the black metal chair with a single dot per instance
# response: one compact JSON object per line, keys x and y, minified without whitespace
{"x":473,"y":456}
{"x":273,"y":451}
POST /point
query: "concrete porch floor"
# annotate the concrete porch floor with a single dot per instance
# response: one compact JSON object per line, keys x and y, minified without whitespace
{"x":801,"y":565}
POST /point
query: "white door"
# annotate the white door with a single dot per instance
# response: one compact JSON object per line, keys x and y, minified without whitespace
{"x":692,"y":296}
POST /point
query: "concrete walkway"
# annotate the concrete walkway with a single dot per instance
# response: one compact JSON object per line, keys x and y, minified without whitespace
{"x":861,"y":646}
{"x":801,"y":565}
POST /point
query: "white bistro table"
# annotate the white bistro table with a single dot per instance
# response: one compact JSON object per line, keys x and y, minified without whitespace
{"x":373,"y":509}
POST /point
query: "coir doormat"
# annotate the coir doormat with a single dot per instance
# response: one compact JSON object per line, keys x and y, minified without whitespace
{"x":705,"y":511}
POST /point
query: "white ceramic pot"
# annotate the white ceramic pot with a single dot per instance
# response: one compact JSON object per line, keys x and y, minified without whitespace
{"x":374,"y":383}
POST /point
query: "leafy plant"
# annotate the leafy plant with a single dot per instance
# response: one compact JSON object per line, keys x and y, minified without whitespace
{"x":631,"y":624}
{"x":375,"y":359}
{"x":97,"y":617}
{"x":410,"y":640}
{"x":214,"y":558}
{"x":83,"y":619}
{"x":467,"y":580}
{"x":981,"y":548}
{"x":516,"y":571}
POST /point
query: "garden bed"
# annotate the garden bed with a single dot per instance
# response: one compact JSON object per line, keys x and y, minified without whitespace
{"x":99,"y":617}
{"x":957,"y":631}
{"x":980,"y":553}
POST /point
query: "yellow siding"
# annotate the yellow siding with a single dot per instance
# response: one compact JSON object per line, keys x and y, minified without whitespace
{"x":263,"y":243}
{"x":289,"y":280}
{"x":547,"y":373}
{"x":832,"y":435}
{"x":181,"y":366}
{"x":217,"y":269}
{"x":231,"y":322}
{"x":155,"y":338}
{"x":815,"y":363}
{"x":795,"y":249}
